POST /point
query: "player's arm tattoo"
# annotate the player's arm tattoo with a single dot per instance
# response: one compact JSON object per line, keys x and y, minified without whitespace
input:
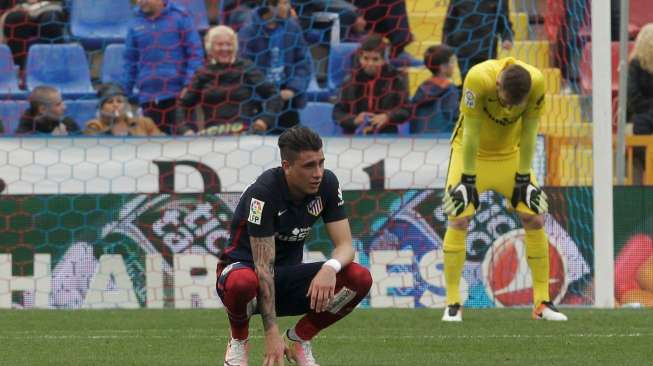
{"x":263,"y":253}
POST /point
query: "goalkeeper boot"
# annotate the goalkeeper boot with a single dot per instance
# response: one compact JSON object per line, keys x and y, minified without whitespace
{"x":453,"y":313}
{"x":547,"y":311}
{"x":299,"y":352}
{"x":236,"y":354}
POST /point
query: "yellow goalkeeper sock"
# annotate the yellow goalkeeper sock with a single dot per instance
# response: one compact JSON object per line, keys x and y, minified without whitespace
{"x":537,"y":252}
{"x":454,"y":260}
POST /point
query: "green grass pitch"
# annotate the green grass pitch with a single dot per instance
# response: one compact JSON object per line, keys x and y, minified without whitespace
{"x":367,"y":337}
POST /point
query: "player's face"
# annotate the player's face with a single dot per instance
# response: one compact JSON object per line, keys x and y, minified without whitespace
{"x":371,"y":62}
{"x":304,"y":175}
{"x":222,"y":48}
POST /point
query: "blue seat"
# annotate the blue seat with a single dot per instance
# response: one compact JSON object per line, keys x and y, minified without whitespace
{"x":8,"y":79}
{"x":339,"y":66}
{"x":314,"y":92}
{"x":113,"y":63}
{"x":63,"y":66}
{"x":10,"y":112}
{"x":318,"y":116}
{"x":197,"y":9}
{"x":98,"y":22}
{"x":81,"y":110}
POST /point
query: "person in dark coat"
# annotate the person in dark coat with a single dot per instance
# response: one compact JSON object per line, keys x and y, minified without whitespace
{"x":234,"y":95}
{"x":472,"y":28}
{"x":46,"y":114}
{"x":374,"y":98}
{"x":273,"y":40}
{"x":640,"y":83}
{"x":436,"y":102}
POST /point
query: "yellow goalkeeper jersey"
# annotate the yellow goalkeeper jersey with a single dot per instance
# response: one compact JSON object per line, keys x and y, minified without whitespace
{"x":501,"y":126}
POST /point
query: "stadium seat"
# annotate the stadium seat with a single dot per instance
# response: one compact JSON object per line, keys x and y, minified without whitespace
{"x":315,"y":92}
{"x":586,"y":67}
{"x":8,"y":79}
{"x":112,"y":64}
{"x":340,"y":57}
{"x":552,"y":80}
{"x":427,"y":26}
{"x":81,"y":110}
{"x":427,"y":6}
{"x":416,"y":76}
{"x":641,"y":13}
{"x":10,"y":112}
{"x":535,"y":53}
{"x":318,"y":116}
{"x":559,"y":112}
{"x":197,"y":8}
{"x":63,"y":66}
{"x":96,"y":23}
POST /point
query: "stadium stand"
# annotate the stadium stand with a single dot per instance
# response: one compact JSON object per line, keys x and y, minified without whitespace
{"x":10,"y":112}
{"x":317,"y":115}
{"x":197,"y":8}
{"x":113,"y":63}
{"x":81,"y":110}
{"x":8,"y":77}
{"x":96,"y":23}
{"x":340,"y":58}
{"x":63,"y":66}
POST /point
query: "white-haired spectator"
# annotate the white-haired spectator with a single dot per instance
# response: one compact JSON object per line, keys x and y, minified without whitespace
{"x":234,"y":95}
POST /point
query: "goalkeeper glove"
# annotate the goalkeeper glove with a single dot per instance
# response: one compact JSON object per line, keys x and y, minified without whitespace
{"x":456,"y":199}
{"x":532,"y":195}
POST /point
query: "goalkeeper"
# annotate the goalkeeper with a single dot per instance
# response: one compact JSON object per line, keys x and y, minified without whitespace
{"x":493,"y":145}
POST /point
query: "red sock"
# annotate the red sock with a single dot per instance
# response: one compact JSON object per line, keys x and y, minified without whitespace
{"x":240,"y":288}
{"x":353,"y":277}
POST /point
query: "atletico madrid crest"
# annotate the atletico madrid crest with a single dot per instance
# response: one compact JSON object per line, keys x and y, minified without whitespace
{"x":315,"y":206}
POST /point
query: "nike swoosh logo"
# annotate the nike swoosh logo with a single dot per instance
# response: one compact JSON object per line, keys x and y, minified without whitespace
{"x":282,"y":212}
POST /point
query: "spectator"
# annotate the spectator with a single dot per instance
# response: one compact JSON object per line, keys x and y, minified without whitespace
{"x":472,"y":27}
{"x":435,"y":104}
{"x":230,"y":89}
{"x":274,"y":42}
{"x":163,"y":51}
{"x":25,"y":22}
{"x":374,"y":98}
{"x":640,"y":83}
{"x":115,"y":117}
{"x":46,"y":114}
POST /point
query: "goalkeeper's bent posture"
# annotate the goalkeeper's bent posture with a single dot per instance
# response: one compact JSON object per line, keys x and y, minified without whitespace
{"x":492,"y":149}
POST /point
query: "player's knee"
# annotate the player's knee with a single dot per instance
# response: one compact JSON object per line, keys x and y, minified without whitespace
{"x":459,"y":223}
{"x":358,"y":277}
{"x":243,"y":282}
{"x":532,"y":222}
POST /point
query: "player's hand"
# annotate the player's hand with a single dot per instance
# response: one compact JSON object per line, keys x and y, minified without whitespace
{"x":530,"y":194}
{"x":274,"y":348}
{"x":322,"y":289}
{"x":456,"y":199}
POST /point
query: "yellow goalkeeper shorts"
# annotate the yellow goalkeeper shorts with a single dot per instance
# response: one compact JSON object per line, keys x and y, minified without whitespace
{"x":491,"y":175}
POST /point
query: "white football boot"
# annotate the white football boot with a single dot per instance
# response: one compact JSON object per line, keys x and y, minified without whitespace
{"x":236,"y":354}
{"x":453,"y":313}
{"x":299,"y":353}
{"x":547,"y":311}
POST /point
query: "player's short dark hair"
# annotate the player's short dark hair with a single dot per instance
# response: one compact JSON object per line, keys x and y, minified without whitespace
{"x":374,"y":43}
{"x":516,"y":83}
{"x":297,"y":139}
{"x":435,"y":56}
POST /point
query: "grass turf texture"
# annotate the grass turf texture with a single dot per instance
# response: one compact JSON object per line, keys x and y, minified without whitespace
{"x":367,"y":337}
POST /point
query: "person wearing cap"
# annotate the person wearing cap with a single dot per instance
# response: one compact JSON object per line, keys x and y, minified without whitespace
{"x":436,"y":102}
{"x":114,"y":116}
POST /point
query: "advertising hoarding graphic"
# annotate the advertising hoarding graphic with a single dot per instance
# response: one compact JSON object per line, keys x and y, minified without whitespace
{"x":160,"y":250}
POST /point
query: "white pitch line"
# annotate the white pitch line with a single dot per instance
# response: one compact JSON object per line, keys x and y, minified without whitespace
{"x":125,"y":334}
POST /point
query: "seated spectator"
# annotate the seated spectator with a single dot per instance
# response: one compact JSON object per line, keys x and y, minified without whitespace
{"x":640,"y":83}
{"x":162,"y":52}
{"x":274,"y":42}
{"x":25,"y":22}
{"x":46,"y":114}
{"x":436,"y":102}
{"x":374,"y":98}
{"x":116,"y":118}
{"x":234,"y":95}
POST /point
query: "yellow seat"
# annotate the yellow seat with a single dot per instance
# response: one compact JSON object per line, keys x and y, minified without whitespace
{"x":552,"y":80}
{"x":417,"y":49}
{"x":427,"y":6}
{"x":427,"y":26}
{"x":570,"y":158}
{"x":535,"y":53}
{"x":416,"y":76}
{"x":559,"y":112}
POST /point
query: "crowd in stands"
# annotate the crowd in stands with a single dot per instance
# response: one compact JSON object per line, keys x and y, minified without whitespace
{"x":256,"y":73}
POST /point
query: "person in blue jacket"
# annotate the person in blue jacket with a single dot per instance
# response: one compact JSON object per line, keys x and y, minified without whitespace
{"x":162,"y":52}
{"x":273,"y":41}
{"x":436,"y":102}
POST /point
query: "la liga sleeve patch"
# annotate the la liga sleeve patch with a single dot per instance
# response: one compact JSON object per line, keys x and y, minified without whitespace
{"x":255,"y":211}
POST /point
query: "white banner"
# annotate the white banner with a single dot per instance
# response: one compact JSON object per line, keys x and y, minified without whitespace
{"x":128,"y":165}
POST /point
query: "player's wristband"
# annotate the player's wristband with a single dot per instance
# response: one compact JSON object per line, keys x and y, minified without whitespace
{"x":333,"y":263}
{"x":468,"y":179}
